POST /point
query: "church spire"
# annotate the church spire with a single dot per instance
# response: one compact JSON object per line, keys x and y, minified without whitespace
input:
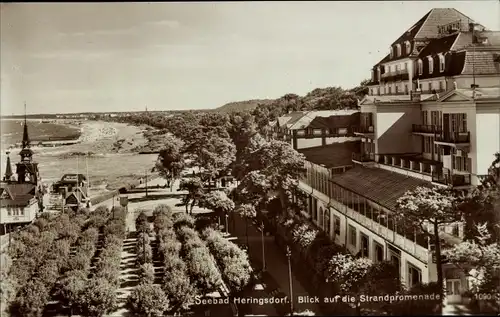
{"x":26,"y":138}
{"x":8,"y":169}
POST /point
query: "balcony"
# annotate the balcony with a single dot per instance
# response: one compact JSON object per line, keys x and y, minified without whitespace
{"x":426,"y":129}
{"x":445,"y":177}
{"x":410,"y":164}
{"x":453,"y":138}
{"x":366,"y":131}
{"x":395,"y":75}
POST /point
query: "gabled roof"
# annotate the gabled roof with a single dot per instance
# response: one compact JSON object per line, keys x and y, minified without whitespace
{"x":285,"y":119}
{"x":15,"y":194}
{"x":332,"y":155}
{"x":412,"y":31}
{"x":379,"y":185}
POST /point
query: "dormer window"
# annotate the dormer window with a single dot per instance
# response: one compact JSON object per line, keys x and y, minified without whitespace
{"x":408,"y":47}
{"x":431,"y":64}
{"x":441,"y":63}
{"x":373,"y":75}
{"x":398,"y":49}
{"x":378,"y":73}
{"x":420,"y":67}
{"x":391,"y":52}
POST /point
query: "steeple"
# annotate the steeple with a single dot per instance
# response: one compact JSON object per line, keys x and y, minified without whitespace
{"x":26,"y":138}
{"x":8,"y":169}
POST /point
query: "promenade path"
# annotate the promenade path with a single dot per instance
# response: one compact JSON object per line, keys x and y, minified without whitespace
{"x":276,"y":262}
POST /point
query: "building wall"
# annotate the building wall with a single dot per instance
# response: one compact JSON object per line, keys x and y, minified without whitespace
{"x":393,"y":129}
{"x":343,"y":237}
{"x":15,"y":214}
{"x":303,"y":143}
{"x":487,"y":138}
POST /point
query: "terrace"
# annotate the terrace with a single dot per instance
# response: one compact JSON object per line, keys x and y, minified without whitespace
{"x":367,"y":196}
{"x":412,"y":163}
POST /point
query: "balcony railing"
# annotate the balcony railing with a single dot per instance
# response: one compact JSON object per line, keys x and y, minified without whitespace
{"x":453,"y":137}
{"x":363,"y":129}
{"x":394,"y":73}
{"x":427,"y":128}
{"x":414,"y":163}
{"x":363,"y":157}
{"x":445,"y":177}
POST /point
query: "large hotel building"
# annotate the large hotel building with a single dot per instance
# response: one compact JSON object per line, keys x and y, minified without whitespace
{"x":432,"y":117}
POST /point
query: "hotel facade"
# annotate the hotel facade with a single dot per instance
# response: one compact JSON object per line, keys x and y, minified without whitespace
{"x":431,"y":118}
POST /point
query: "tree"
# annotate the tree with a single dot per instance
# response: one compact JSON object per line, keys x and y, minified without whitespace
{"x":170,"y":161}
{"x":349,"y":274}
{"x":194,"y":187}
{"x":141,"y":223}
{"x":70,"y":290}
{"x":428,"y":209}
{"x":275,"y":170}
{"x":479,"y":260}
{"x":247,"y":211}
{"x":148,"y":300}
{"x":218,"y":201}
{"x":98,"y":298}
{"x":31,"y":299}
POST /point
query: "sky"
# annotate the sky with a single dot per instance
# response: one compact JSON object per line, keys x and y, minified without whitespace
{"x":98,"y":57}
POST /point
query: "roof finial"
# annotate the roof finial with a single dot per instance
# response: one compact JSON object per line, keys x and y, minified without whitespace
{"x":8,"y":169}
{"x":26,"y":138}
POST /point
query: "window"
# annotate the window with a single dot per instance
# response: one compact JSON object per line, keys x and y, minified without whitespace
{"x":420,"y":67}
{"x":342,"y":131}
{"x":398,"y":68}
{"x":378,"y":91}
{"x":301,"y":132}
{"x":317,"y":131}
{"x":352,"y":236}
{"x":406,"y":88}
{"x":408,"y":47}
{"x":431,"y":86}
{"x":406,"y":66}
{"x":337,"y":225}
{"x":431,"y":64}
{"x":398,"y":48}
{"x":327,"y":222}
{"x":440,"y":86}
{"x":365,"y":246}
{"x":427,"y":145}
{"x":373,"y":75}
{"x":379,"y":253}
{"x":396,"y":89}
{"x":414,"y":276}
{"x":390,"y":90}
{"x":391,"y":52}
{"x":424,"y":117}
{"x":456,"y":230}
{"x":9,"y":211}
{"x":396,"y":262}
{"x":441,"y":63}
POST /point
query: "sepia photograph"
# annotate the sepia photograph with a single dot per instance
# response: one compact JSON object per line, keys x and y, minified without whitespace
{"x":250,"y":158}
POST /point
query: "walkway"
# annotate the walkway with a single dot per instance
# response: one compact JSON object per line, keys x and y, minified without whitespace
{"x":276,"y":263}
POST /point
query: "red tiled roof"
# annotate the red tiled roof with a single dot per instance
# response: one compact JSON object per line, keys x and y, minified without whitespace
{"x":379,"y":185}
{"x":332,"y":155}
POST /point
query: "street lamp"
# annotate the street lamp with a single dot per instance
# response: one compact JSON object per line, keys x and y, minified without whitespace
{"x":288,"y":255}
{"x":263,"y":247}
{"x":227,"y":231}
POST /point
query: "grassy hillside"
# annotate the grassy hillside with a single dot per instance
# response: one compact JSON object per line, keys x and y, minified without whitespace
{"x":243,"y":105}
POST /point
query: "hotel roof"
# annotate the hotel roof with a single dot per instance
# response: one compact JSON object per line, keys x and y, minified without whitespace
{"x":381,"y":186}
{"x":332,"y":155}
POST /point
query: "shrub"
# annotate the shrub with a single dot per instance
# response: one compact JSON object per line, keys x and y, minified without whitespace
{"x":141,"y":223}
{"x":183,"y":220}
{"x":71,"y":287}
{"x":31,"y":299}
{"x":147,"y":273}
{"x":206,"y":276}
{"x":144,"y":254}
{"x":80,"y":261}
{"x":98,"y":297}
{"x":162,"y":210}
{"x":148,"y":300}
{"x":177,"y":286}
